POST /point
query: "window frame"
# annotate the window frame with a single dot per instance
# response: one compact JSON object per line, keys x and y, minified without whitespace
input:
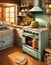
{"x":3,"y":18}
{"x":15,"y":13}
{"x":1,"y":13}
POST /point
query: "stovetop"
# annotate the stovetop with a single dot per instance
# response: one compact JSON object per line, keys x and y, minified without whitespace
{"x":40,"y":29}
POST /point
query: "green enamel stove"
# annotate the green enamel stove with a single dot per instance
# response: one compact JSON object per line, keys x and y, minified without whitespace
{"x":41,"y":36}
{"x":35,"y":40}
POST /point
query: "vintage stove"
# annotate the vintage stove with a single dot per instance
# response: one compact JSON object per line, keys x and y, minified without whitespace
{"x":41,"y":36}
{"x":36,"y":48}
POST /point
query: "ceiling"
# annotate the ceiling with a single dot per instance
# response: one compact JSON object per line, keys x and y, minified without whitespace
{"x":10,"y":1}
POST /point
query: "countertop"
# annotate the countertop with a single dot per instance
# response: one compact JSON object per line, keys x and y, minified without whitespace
{"x":15,"y":26}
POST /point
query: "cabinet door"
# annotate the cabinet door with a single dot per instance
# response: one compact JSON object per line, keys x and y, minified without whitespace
{"x":7,"y":40}
{"x":0,"y":41}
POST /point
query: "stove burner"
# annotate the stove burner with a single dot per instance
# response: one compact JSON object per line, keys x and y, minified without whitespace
{"x":40,"y":29}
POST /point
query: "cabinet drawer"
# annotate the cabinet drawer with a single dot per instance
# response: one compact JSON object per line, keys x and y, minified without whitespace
{"x":1,"y":44}
{"x":0,"y":38}
{"x":0,"y":41}
{"x":7,"y":37}
{"x":7,"y":40}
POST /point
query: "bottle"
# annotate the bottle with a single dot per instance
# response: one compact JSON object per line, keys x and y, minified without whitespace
{"x":48,"y":25}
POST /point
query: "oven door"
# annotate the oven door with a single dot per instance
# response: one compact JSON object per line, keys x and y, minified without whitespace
{"x":25,"y":35}
{"x":28,"y":48}
{"x":30,"y":42}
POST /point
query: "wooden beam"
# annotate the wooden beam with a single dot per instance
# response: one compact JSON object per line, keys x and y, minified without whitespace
{"x":10,"y":1}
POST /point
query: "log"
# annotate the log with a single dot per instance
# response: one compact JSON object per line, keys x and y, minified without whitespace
{"x":49,"y":60}
{"x":48,"y":50}
{"x":45,"y":57}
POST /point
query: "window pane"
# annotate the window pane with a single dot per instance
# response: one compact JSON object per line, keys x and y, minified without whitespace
{"x":0,"y":9}
{"x":11,"y":9}
{"x":7,"y":9}
{"x":7,"y":14}
{"x":11,"y":20}
{"x":0,"y":17}
{"x":11,"y":14}
{"x":7,"y":19}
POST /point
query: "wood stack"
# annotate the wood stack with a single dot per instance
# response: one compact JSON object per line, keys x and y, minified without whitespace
{"x":47,"y":56}
{"x":49,"y":40}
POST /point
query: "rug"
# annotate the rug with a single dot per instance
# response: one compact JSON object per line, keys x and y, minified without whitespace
{"x":21,"y":60}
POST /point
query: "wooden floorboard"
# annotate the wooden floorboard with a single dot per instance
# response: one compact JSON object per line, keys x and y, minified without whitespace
{"x":8,"y":55}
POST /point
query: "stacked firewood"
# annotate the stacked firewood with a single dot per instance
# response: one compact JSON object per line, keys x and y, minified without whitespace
{"x":49,"y":40}
{"x":47,"y":56}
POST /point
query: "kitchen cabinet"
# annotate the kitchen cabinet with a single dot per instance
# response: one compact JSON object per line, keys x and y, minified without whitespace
{"x":22,"y":14}
{"x":24,"y":7}
{"x":0,"y":41}
{"x":1,"y":13}
{"x":44,"y":3}
{"x":6,"y":39}
{"x":23,"y":11}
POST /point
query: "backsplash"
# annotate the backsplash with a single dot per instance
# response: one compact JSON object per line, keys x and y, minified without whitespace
{"x":50,"y":19}
{"x":42,"y":18}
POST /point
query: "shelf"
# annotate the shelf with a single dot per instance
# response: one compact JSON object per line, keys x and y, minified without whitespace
{"x":24,"y":6}
{"x":15,"y":26}
{"x":21,"y":16}
{"x":24,"y":9}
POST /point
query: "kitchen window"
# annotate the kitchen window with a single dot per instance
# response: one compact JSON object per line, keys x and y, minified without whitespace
{"x":0,"y":13}
{"x":8,"y":13}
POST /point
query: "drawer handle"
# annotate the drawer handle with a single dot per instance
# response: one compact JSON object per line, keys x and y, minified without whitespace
{"x":3,"y":41}
{"x":0,"y":41}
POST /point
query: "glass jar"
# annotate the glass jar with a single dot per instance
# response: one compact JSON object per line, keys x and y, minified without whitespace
{"x":48,"y":26}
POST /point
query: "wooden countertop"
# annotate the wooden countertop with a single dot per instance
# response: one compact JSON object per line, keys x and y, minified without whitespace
{"x":15,"y":26}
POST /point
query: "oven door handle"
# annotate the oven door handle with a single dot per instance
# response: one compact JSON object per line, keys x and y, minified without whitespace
{"x":27,"y":35}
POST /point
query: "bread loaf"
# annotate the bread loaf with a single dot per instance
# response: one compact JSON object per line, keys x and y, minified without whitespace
{"x":34,"y":24}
